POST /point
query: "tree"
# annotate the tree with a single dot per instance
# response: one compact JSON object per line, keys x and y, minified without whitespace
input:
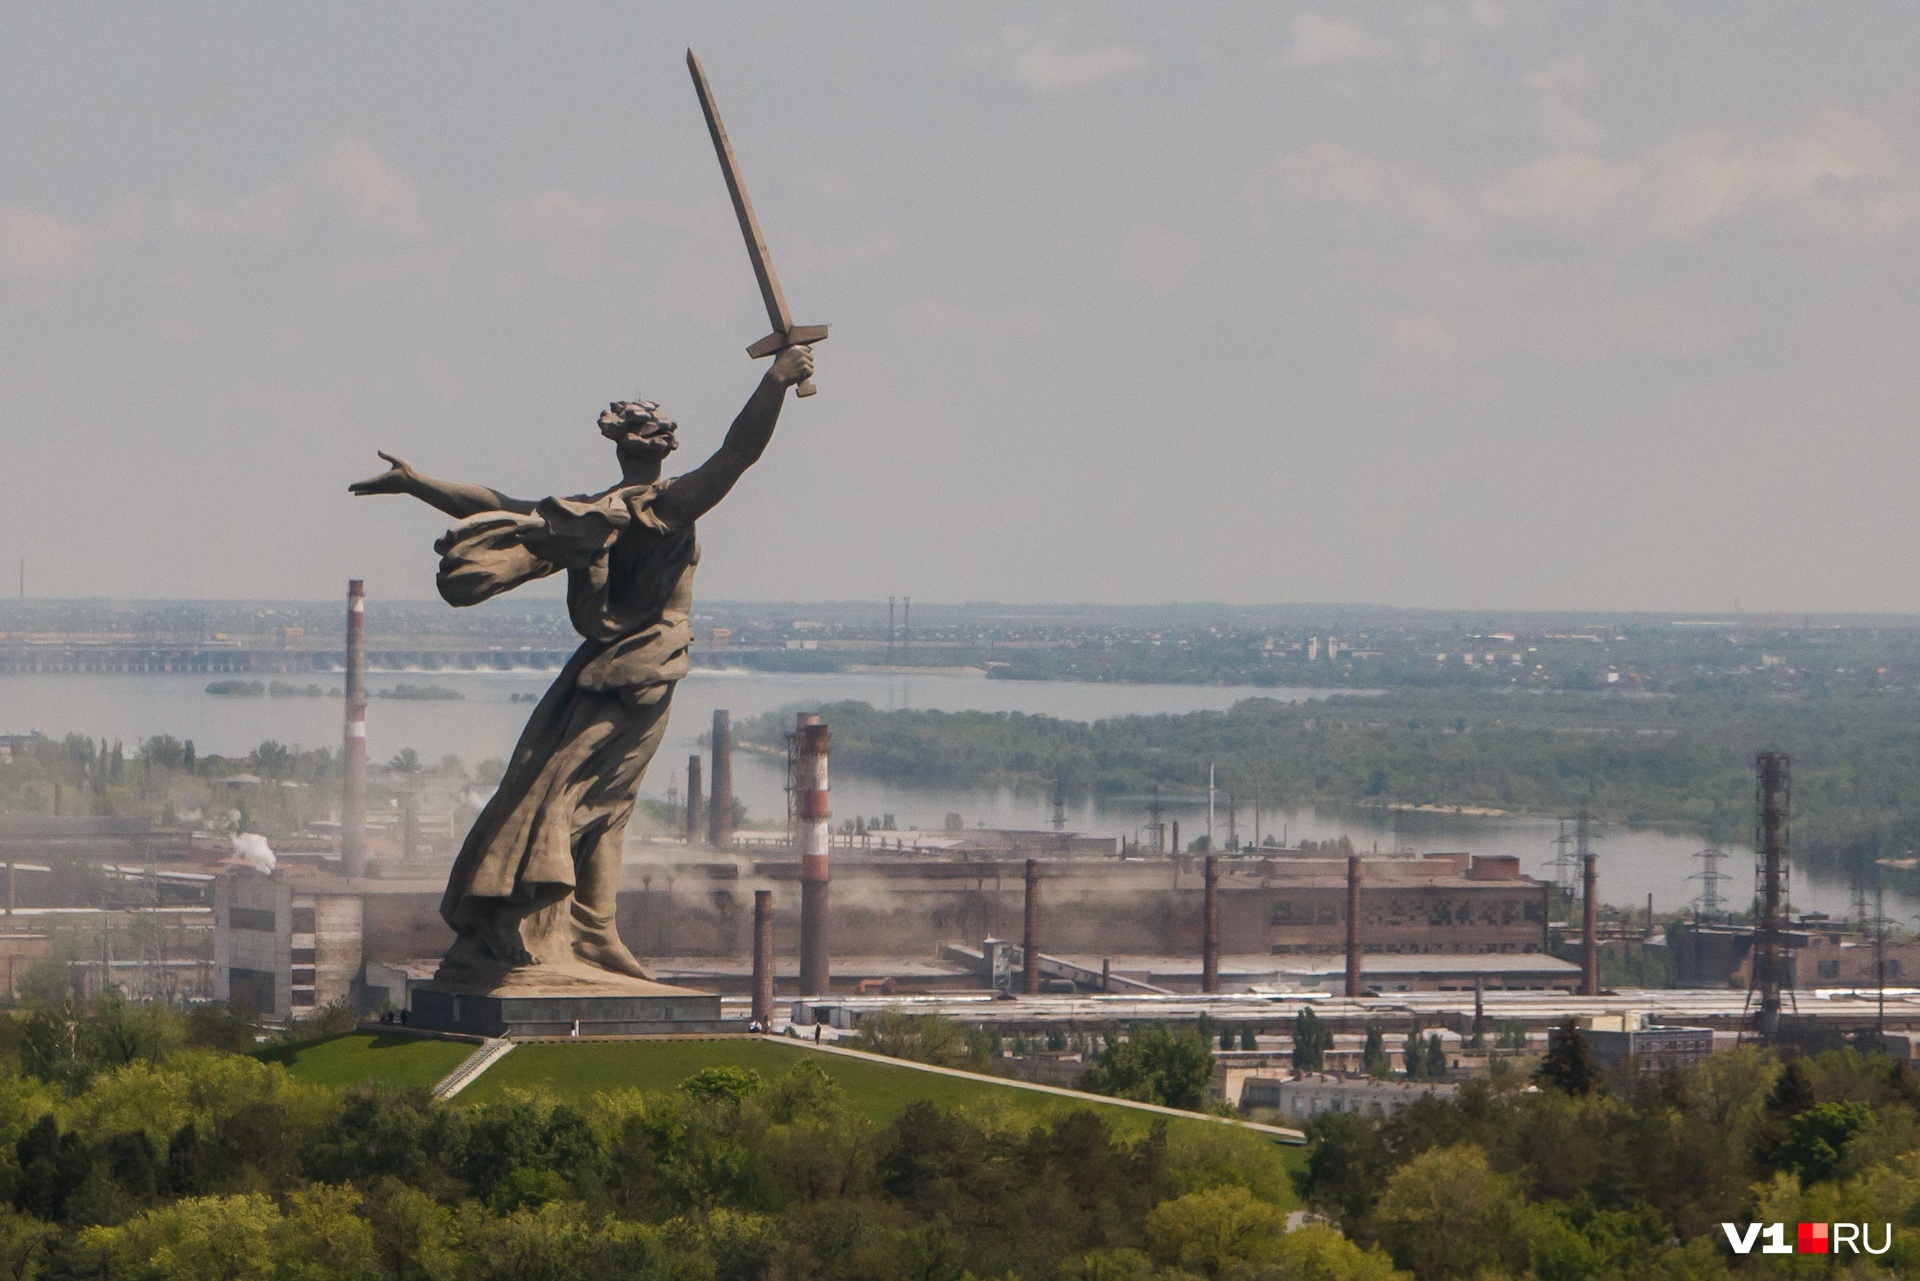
{"x":923,"y":1038}
{"x":1436,"y":1058}
{"x":1173,"y":1069}
{"x":1569,"y":1065}
{"x":1413,"y":1052}
{"x":1373,"y":1058}
{"x":1207,"y":1231}
{"x":323,"y":1238}
{"x":1447,"y":1214}
{"x":199,"y":1239}
{"x":222,"y":1025}
{"x":723,"y":1083}
{"x":1347,"y":1168}
{"x":1817,"y":1138}
{"x":1311,"y":1040}
{"x":1318,"y":1253}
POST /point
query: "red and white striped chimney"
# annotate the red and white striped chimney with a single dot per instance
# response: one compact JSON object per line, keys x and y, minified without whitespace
{"x":811,"y":835}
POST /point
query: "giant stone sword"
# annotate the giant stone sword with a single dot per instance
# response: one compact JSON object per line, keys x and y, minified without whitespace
{"x":785,"y":333}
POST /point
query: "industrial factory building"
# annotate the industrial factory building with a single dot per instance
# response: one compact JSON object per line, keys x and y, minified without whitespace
{"x":298,"y":938}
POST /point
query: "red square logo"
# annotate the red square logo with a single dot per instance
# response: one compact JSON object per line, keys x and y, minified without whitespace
{"x":1813,"y":1238}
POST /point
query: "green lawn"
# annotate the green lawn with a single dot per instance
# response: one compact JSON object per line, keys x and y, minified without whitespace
{"x":579,"y":1071}
{"x":391,"y":1057}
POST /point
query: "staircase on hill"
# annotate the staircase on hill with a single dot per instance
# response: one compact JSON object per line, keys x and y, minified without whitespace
{"x":489,"y":1053}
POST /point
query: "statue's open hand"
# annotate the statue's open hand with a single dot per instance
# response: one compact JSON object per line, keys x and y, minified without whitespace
{"x":794,"y":365}
{"x":398,"y":478}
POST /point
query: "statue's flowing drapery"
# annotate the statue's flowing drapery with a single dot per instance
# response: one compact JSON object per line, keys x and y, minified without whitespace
{"x":537,"y":879}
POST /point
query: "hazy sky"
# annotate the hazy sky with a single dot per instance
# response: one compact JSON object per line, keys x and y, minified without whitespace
{"x":1462,"y":304}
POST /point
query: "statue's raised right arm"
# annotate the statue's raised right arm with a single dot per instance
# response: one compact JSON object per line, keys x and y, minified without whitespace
{"x":695,"y":494}
{"x":453,"y":497}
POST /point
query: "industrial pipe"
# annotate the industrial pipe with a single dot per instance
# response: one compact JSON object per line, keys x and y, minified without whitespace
{"x":763,"y":958}
{"x":1589,"y":927}
{"x":811,"y":815}
{"x":1030,"y":939}
{"x":1353,"y":925}
{"x":720,"y":806}
{"x":353,"y":748}
{"x":695,"y":818}
{"x":1210,"y":929}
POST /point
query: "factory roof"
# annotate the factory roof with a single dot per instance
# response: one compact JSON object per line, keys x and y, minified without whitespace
{"x":1377,"y":964}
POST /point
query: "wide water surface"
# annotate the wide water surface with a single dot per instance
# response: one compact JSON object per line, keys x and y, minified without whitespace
{"x":1633,"y":862}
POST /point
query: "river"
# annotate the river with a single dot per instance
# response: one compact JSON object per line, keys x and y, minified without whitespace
{"x":1634,"y":862}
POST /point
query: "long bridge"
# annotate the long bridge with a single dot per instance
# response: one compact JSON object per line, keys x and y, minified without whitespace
{"x":227,"y":658}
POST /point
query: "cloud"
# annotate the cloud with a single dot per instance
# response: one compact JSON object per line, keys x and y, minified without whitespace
{"x":349,"y":178}
{"x":1564,"y":187}
{"x":369,"y":192}
{"x":1045,"y":69}
{"x":38,"y":247}
{"x":1559,"y":122}
{"x":267,"y":213}
{"x":1317,"y":41}
{"x":1329,"y":171}
{"x":1840,"y":171}
{"x":1153,"y":256}
{"x":1838,"y":174}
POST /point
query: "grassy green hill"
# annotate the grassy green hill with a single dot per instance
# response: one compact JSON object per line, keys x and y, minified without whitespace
{"x":395,"y":1058}
{"x":578,"y":1071}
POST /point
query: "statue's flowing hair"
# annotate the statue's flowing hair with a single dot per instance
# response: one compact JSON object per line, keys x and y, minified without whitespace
{"x":638,"y":424}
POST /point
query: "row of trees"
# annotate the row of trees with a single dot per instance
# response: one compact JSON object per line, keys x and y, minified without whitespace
{"x":166,"y":780}
{"x":1669,"y":761}
{"x":1628,"y":1174}
{"x":1144,"y":1063}
{"x":170,"y":1159}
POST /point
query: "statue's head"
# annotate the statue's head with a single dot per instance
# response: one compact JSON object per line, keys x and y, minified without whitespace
{"x":639,"y":429}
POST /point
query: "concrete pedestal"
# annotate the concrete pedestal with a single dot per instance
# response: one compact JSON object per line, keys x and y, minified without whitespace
{"x":528,"y":1007}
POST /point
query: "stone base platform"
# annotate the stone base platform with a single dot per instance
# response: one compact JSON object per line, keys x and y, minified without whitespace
{"x":562,"y":1006}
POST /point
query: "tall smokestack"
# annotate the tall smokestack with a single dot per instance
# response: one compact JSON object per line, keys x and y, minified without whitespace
{"x":1589,"y":925}
{"x":696,"y":816}
{"x":763,"y":958}
{"x":353,"y":748}
{"x":1030,"y":938}
{"x":1210,"y":930}
{"x":720,"y":806}
{"x":1774,"y":796}
{"x":811,"y":814}
{"x":1353,"y":925}
{"x":409,"y":824}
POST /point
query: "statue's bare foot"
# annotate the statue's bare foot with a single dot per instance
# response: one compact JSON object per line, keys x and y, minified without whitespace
{"x":608,"y":954}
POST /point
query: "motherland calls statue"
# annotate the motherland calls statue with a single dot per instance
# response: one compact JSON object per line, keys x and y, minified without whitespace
{"x":531,"y":897}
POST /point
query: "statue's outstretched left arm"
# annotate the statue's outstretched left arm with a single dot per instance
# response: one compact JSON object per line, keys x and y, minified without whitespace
{"x":455,"y":498}
{"x":693,"y":495}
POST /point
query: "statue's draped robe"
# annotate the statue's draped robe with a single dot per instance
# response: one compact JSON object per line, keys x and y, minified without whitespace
{"x":537,"y":879}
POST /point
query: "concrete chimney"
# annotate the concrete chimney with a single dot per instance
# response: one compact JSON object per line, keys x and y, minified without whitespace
{"x":812,"y":836}
{"x":1353,"y":925}
{"x":763,"y":958}
{"x":696,"y":815}
{"x":409,"y":824}
{"x":720,"y":806}
{"x":1589,"y":926}
{"x":1210,"y":929}
{"x":353,"y":748}
{"x":1030,"y":938}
